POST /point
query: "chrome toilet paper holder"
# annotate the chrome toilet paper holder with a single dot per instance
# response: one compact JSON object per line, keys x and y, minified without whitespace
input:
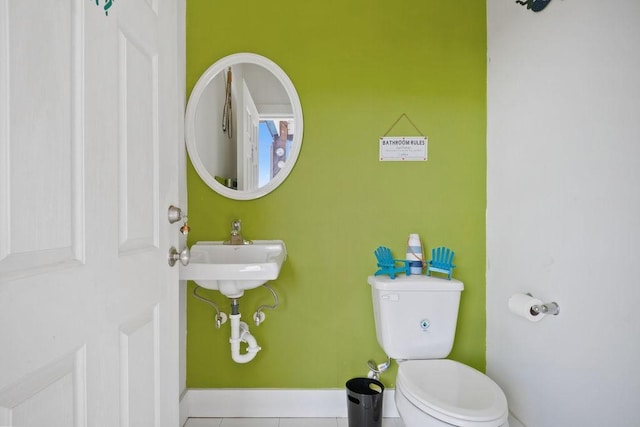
{"x":546,"y":308}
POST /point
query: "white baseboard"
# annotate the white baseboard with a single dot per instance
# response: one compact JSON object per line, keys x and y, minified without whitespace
{"x":277,"y":403}
{"x":272,"y":403}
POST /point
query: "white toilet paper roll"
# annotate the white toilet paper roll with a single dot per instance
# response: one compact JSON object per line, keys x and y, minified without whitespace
{"x":521,"y":304}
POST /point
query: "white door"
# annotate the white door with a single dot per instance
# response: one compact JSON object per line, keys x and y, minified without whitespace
{"x":90,"y":160}
{"x":248,"y":155}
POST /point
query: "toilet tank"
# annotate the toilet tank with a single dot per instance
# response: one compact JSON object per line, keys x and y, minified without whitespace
{"x":415,"y":315}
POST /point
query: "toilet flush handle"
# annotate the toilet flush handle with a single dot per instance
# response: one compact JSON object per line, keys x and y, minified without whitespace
{"x":389,"y":297}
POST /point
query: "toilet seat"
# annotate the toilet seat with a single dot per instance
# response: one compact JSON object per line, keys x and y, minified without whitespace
{"x":452,"y":392}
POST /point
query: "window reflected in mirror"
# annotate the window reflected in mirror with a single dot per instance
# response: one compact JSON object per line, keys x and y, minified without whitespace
{"x":274,"y":146}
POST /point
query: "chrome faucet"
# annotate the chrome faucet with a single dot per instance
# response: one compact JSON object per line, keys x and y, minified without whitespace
{"x":236,"y":236}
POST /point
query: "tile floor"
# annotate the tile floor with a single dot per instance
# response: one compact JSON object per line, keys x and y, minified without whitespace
{"x":280,"y":422}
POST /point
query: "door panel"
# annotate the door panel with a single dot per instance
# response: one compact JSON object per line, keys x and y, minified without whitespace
{"x":54,"y":395}
{"x":139,"y":365}
{"x":40,"y":128}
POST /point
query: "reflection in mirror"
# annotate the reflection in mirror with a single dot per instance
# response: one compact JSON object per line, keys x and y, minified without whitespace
{"x":243,"y":126}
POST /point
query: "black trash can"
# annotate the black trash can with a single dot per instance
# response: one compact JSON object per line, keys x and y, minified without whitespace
{"x":364,"y":400}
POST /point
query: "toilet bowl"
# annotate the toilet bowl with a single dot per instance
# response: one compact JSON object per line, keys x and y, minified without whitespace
{"x":444,"y":392}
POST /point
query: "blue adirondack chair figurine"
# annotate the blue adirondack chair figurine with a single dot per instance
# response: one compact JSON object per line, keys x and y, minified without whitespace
{"x":387,"y":264}
{"x":441,"y":261}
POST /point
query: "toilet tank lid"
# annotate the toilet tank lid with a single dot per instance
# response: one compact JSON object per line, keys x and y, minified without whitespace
{"x":415,"y":282}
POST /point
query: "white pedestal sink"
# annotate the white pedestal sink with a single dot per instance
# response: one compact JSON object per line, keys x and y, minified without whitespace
{"x":232,"y":269}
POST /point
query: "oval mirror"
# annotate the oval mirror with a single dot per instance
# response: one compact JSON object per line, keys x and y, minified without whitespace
{"x":243,"y":126}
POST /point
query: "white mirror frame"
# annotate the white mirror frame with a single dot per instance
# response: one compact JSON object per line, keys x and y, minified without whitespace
{"x":190,"y":134}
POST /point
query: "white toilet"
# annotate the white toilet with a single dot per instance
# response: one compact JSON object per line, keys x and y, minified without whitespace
{"x":416,"y":320}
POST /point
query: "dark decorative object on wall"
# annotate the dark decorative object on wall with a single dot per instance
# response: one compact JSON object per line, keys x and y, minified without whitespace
{"x":535,"y":5}
{"x":107,"y":5}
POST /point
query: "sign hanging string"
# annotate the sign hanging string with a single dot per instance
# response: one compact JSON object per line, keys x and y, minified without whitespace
{"x":396,"y":122}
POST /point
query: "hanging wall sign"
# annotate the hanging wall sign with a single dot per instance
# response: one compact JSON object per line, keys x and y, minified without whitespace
{"x":403,"y":148}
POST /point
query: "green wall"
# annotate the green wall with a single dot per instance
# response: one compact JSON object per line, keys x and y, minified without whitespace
{"x":357,"y":65}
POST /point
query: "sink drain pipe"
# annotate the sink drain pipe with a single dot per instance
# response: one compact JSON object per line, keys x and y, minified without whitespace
{"x":240,"y":334}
